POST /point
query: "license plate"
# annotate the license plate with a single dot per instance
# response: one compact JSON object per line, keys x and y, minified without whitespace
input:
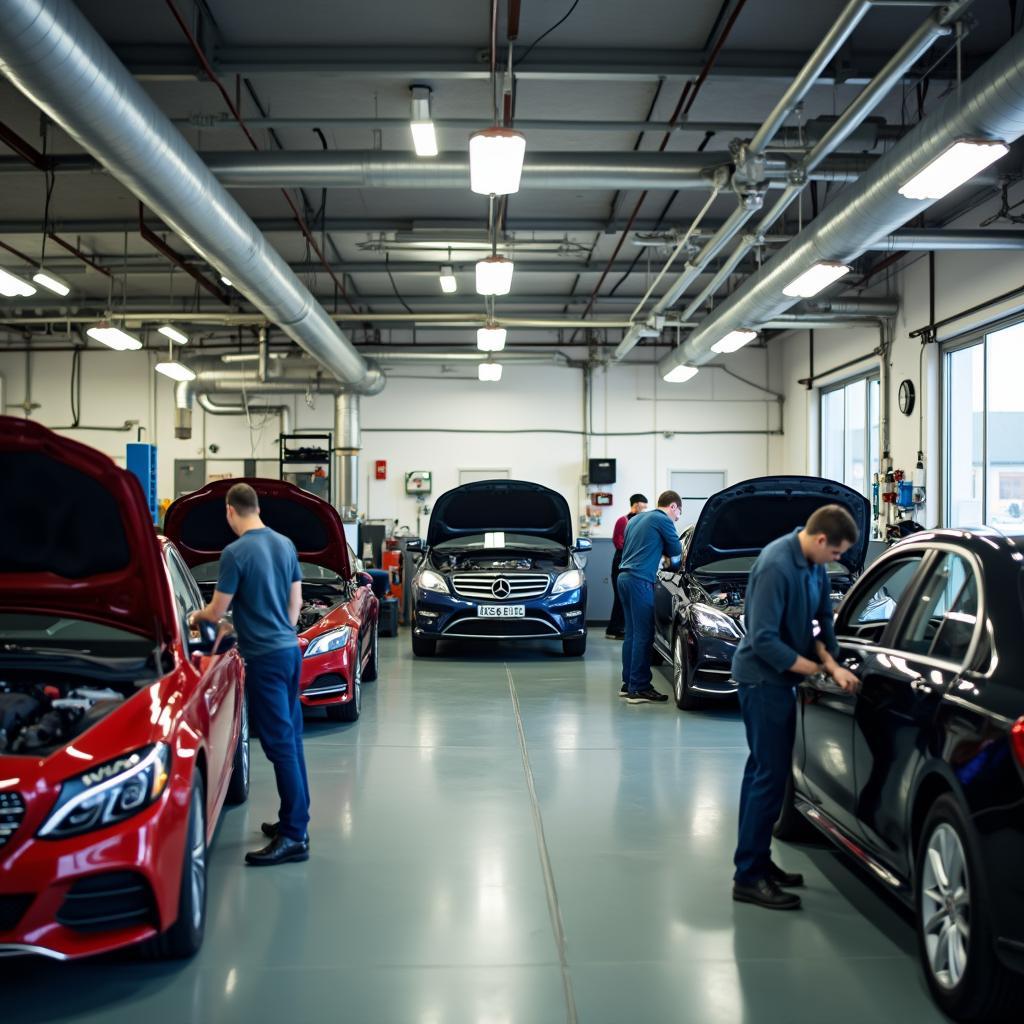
{"x":501,"y":611}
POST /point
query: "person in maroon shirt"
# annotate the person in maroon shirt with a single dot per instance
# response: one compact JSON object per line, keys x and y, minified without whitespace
{"x":617,"y":623}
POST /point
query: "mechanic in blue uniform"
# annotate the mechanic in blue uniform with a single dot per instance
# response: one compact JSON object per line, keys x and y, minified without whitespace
{"x":650,"y":536}
{"x":260,"y":580}
{"x":788,"y":592}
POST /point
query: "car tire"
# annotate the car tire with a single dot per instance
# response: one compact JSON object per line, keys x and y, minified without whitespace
{"x":686,"y":699}
{"x":185,"y":936}
{"x":792,"y":826}
{"x":238,"y":787}
{"x":351,"y":709}
{"x":372,"y":665}
{"x":576,"y":647}
{"x":965,"y":975}
{"x":423,"y":647}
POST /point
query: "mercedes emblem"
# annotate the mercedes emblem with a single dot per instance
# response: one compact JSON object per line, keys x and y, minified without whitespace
{"x":501,"y":588}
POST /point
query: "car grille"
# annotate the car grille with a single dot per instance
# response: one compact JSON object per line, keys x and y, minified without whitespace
{"x":501,"y":629}
{"x":12,"y":810}
{"x":116,"y":899}
{"x":485,"y":586}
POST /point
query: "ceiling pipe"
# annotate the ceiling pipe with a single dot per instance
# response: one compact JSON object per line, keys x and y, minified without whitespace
{"x":207,"y":404}
{"x":989,"y":105}
{"x":54,"y":57}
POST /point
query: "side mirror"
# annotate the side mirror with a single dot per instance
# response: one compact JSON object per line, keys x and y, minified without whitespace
{"x":414,"y":544}
{"x":583,"y":544}
{"x":208,"y":642}
{"x":380,"y":581}
{"x":364,"y":579}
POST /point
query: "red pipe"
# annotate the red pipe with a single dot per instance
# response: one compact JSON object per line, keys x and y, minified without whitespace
{"x":24,"y":149}
{"x":164,"y":249}
{"x":88,"y":261}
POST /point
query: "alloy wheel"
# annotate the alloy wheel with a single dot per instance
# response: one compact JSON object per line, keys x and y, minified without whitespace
{"x":244,"y":729}
{"x":678,"y":673}
{"x":197,"y":858}
{"x":945,"y":906}
{"x":357,"y":681}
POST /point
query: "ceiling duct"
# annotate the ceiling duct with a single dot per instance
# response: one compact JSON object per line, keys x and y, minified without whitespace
{"x":54,"y":56}
{"x":989,"y":105}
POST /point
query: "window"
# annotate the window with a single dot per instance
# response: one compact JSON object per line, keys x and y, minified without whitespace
{"x":694,"y":488}
{"x":984,"y":430}
{"x":871,"y":612}
{"x":946,"y":615}
{"x":849,"y":433}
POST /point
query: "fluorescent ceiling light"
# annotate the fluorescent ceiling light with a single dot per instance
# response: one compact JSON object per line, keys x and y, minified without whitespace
{"x":11,"y":286}
{"x":959,"y":163}
{"x":496,"y":161}
{"x":448,"y":283}
{"x":114,"y":337}
{"x":734,"y":341}
{"x":424,"y":138}
{"x":679,"y":374}
{"x":52,"y":282}
{"x":491,"y":338}
{"x":174,"y":334}
{"x":489,"y":371}
{"x":494,"y":276}
{"x":226,"y":281}
{"x":175,"y":370}
{"x":812,"y":281}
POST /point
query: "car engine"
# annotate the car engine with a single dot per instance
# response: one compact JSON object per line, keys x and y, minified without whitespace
{"x":471,"y":562}
{"x":313,"y":610}
{"x":729,"y":601}
{"x":37,"y":718}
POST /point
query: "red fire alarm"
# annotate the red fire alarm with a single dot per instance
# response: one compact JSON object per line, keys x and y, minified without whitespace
{"x":380,"y":468}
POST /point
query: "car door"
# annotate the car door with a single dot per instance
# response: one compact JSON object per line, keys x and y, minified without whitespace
{"x":825,"y":754}
{"x":901,"y":691}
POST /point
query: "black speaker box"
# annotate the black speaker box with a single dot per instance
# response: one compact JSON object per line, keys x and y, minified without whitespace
{"x":601,"y":471}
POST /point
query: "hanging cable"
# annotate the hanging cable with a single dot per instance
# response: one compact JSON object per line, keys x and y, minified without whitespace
{"x":394,"y":287}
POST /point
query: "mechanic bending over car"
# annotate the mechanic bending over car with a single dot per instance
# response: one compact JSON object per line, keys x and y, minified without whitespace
{"x":650,"y":536}
{"x":259,"y":578}
{"x":789,"y":589}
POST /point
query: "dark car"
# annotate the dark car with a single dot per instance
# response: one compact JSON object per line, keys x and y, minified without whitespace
{"x":499,"y":563}
{"x":920,"y":774}
{"x":699,"y":608}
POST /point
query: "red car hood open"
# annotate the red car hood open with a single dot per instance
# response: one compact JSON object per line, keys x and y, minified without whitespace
{"x":198,"y":526}
{"x":76,"y":538}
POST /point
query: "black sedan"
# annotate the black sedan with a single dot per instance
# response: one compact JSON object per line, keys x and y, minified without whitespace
{"x":699,"y":608}
{"x":920,"y":774}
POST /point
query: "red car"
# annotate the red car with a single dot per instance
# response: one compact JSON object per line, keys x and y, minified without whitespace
{"x":121,"y":736}
{"x":338,"y":620}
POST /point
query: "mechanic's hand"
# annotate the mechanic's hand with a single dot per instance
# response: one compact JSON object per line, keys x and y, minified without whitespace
{"x":845,"y":679}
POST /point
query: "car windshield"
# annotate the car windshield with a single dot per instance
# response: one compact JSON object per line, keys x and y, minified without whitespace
{"x":20,"y":631}
{"x":745,"y":563}
{"x":498,"y":541}
{"x":206,"y":572}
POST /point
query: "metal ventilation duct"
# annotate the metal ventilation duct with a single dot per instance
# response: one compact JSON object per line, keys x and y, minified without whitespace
{"x":55,"y":57}
{"x":989,"y":105}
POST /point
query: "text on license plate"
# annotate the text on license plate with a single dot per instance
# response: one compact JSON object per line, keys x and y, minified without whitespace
{"x":501,"y":611}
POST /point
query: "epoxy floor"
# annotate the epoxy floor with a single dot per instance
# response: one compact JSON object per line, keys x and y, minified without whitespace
{"x":500,"y":840}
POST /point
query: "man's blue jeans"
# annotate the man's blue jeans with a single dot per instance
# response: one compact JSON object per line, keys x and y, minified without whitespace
{"x":637,"y":598}
{"x":769,"y":715}
{"x":272,"y":682}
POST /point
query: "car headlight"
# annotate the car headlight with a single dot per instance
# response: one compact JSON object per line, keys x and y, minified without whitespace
{"x":109,"y":792}
{"x":571,"y":580}
{"x":711,"y":622}
{"x":430,"y":580}
{"x":329,"y":641}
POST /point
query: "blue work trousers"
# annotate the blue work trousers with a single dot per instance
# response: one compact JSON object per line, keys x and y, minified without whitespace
{"x":272,"y":682}
{"x":769,"y":716}
{"x":637,"y":596}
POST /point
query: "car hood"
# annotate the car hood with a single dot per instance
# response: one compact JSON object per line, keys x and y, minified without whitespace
{"x":508,"y":506}
{"x":197,"y":524}
{"x":743,"y":518}
{"x":76,"y":537}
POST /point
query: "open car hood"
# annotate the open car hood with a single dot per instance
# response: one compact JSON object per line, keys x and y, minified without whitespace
{"x":199,"y":528}
{"x":743,"y":518}
{"x":76,"y":538}
{"x":508,"y":506}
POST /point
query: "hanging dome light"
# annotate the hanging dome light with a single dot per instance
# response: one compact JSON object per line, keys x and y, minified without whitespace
{"x":494,"y":276}
{"x":496,"y":161}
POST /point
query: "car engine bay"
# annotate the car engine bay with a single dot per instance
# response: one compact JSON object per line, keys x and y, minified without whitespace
{"x":316,"y":605}
{"x":38,"y":717}
{"x":480,"y":563}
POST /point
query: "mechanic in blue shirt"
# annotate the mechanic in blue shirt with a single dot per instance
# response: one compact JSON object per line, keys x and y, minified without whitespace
{"x":259,"y":578}
{"x":650,"y":536}
{"x":788,"y":592}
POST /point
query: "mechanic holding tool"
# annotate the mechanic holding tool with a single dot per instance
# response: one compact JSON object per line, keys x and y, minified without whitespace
{"x":260,"y":579}
{"x":650,"y":537}
{"x":788,"y":592}
{"x":616,"y":629}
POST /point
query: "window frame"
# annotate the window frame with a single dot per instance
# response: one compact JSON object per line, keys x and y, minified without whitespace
{"x":869,"y":376}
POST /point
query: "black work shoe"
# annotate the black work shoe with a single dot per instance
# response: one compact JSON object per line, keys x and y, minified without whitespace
{"x":615,"y":636}
{"x":280,"y":850}
{"x":786,"y":879}
{"x":624,"y":691}
{"x":765,"y":893}
{"x":270,"y":830}
{"x":647,"y":696}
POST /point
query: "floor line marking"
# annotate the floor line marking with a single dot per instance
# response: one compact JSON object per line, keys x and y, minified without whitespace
{"x":554,"y":910}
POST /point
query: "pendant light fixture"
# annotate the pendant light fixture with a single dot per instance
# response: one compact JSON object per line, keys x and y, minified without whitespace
{"x":496,"y":161}
{"x":491,"y":338}
{"x":494,"y":275}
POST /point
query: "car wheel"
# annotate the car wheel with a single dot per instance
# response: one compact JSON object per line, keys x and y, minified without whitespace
{"x":423,"y":647}
{"x":185,"y":936}
{"x":350,"y":710}
{"x":238,"y":787}
{"x":686,"y":700}
{"x":371,"y":670}
{"x":576,"y":647}
{"x":954,"y":929}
